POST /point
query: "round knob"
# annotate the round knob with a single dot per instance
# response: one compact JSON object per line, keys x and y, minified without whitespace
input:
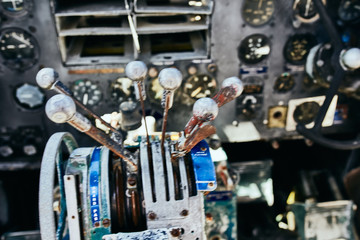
{"x":170,"y":78}
{"x":136,"y":70}
{"x":351,"y":58}
{"x":234,"y":82}
{"x":205,"y":109}
{"x":46,"y":77}
{"x":60,"y":108}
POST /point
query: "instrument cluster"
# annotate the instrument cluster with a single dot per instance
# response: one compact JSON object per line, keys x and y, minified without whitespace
{"x":266,"y":43}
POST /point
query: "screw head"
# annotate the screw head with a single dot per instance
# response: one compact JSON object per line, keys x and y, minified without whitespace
{"x":184,"y":212}
{"x":106,"y":222}
{"x":151,"y":215}
{"x":175,"y":232}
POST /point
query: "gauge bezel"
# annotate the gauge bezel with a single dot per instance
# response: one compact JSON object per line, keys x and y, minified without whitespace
{"x":112,"y":89}
{"x":302,"y":19}
{"x":74,"y":83}
{"x":11,"y":64}
{"x":24,"y":106}
{"x":257,"y":25}
{"x":313,"y":43}
{"x":28,"y":6}
{"x":341,"y":8}
{"x":252,"y":62}
{"x":190,"y":77}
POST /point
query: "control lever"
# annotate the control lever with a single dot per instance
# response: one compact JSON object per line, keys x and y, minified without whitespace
{"x":231,"y":88}
{"x":48,"y":78}
{"x":136,"y":71}
{"x":204,"y":110}
{"x":169,"y":79}
{"x":61,"y":108}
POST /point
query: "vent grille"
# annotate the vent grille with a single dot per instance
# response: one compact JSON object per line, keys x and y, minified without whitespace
{"x":98,"y":31}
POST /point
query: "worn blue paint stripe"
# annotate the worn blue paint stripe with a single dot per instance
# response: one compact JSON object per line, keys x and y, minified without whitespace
{"x":94,"y":185}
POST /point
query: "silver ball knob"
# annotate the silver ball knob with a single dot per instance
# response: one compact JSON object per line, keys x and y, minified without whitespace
{"x":235,"y":83}
{"x":170,"y":78}
{"x":205,"y":109}
{"x":136,"y":70}
{"x":351,"y":58}
{"x":60,"y":108}
{"x":46,"y":77}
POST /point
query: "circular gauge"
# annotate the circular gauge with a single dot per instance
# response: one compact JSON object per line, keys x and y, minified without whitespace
{"x":284,"y":83}
{"x":122,"y":89}
{"x":16,"y":8}
{"x":306,"y":11}
{"x":199,"y":86}
{"x":298,"y":47}
{"x":349,"y":10}
{"x":19,"y":50}
{"x":254,"y":48}
{"x":87,"y":92}
{"x":257,"y":12}
{"x":29,"y":96}
{"x":155,"y":91}
{"x":306,"y":112}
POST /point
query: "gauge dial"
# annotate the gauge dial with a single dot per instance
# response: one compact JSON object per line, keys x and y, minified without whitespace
{"x":258,"y":12}
{"x":284,"y":83}
{"x":254,"y":48}
{"x":122,"y":90}
{"x":16,"y":8}
{"x":298,"y":47}
{"x":18,"y":49}
{"x":306,"y":112}
{"x":29,"y":96}
{"x":349,"y":10}
{"x":199,"y":86}
{"x":87,"y":92}
{"x":306,"y":11}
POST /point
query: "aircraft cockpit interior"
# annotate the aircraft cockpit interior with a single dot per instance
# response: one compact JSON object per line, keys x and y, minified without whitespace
{"x":179,"y":119}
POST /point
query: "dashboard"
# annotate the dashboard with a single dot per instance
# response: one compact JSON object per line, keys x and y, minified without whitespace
{"x":268,"y":44}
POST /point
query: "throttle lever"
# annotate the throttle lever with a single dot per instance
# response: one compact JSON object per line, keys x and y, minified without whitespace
{"x":48,"y":78}
{"x":170,"y":80}
{"x":231,"y":88}
{"x":61,"y":108}
{"x":204,"y":110}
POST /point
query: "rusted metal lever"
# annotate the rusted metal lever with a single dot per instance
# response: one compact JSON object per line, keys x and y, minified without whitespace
{"x":231,"y":88}
{"x":61,"y":108}
{"x":48,"y":78}
{"x":136,"y":71}
{"x":169,"y":79}
{"x":186,"y":144}
{"x":204,"y":110}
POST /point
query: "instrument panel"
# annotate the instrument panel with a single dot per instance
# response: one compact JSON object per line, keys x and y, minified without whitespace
{"x":264,"y":42}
